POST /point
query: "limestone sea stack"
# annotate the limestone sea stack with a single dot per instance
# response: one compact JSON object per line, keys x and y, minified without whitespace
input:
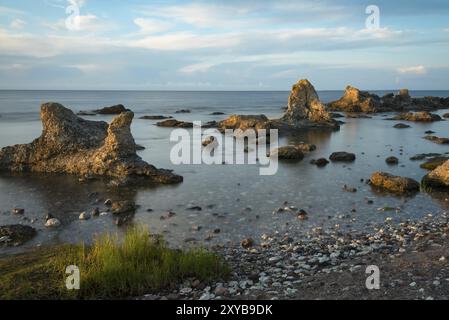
{"x":72,"y":145}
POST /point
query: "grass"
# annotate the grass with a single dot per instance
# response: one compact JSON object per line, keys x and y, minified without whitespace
{"x":110,"y":268}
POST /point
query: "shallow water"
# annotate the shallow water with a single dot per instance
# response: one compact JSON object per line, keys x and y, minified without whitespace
{"x":235,"y":199}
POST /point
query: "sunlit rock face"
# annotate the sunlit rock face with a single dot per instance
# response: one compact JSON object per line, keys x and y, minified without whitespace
{"x":72,"y":145}
{"x":438,"y":178}
{"x":355,"y":100}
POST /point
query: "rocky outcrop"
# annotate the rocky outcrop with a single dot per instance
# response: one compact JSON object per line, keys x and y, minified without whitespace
{"x":437,"y":140}
{"x":422,"y":116}
{"x":438,"y":178}
{"x":288,"y":153}
{"x":355,"y":100}
{"x":304,"y":111}
{"x":393,"y":183}
{"x":304,"y":104}
{"x":72,"y":145}
{"x":342,"y":157}
{"x":16,"y":235}
{"x":173,"y":123}
{"x":114,"y":110}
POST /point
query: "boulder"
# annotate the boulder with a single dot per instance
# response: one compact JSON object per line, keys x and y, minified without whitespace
{"x":114,"y":110}
{"x":393,"y":183}
{"x":304,"y":104}
{"x":342,"y":157}
{"x":173,"y":123}
{"x":245,"y":122}
{"x":401,"y":126}
{"x":355,"y":100}
{"x":288,"y":153}
{"x":422,"y":116}
{"x":305,"y":147}
{"x":438,"y":178}
{"x":434,"y":163}
{"x":392,"y":160}
{"x":16,"y":235}
{"x":72,"y":145}
{"x":121,"y":207}
{"x":322,"y":162}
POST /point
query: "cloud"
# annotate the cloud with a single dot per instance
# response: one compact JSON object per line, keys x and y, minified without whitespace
{"x":152,"y":25}
{"x":417,"y":70}
{"x":10,"y":11}
{"x":17,"y":24}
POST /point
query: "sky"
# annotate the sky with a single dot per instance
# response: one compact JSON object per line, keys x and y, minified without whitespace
{"x":223,"y":45}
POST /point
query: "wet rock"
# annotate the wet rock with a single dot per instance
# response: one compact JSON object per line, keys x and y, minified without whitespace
{"x":392,"y":160}
{"x":245,"y":122}
{"x":438,"y":178}
{"x":173,"y":123}
{"x":155,"y":118}
{"x":183,"y":111}
{"x":16,"y":235}
{"x":401,"y":126}
{"x":423,"y":156}
{"x":121,"y":207}
{"x":303,"y":215}
{"x":247,"y":243}
{"x":446,"y":115}
{"x":335,"y":115}
{"x":437,"y":140}
{"x":18,"y":211}
{"x":429,"y":132}
{"x":84,"y":216}
{"x":52,"y":223}
{"x":114,"y":110}
{"x":72,"y":145}
{"x":434,"y":163}
{"x":217,"y":113}
{"x":195,"y":208}
{"x":288,"y":153}
{"x":322,"y":162}
{"x":96,"y":212}
{"x":355,"y":100}
{"x":342,"y":157}
{"x":394,"y":184}
{"x":139,"y":147}
{"x":86,"y":113}
{"x":305,"y":147}
{"x":422,"y":116}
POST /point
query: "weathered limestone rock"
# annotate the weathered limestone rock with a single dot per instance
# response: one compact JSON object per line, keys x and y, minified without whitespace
{"x":16,"y":235}
{"x":394,"y":184}
{"x":355,"y":100}
{"x":304,"y":104}
{"x":438,"y":178}
{"x":72,"y":145}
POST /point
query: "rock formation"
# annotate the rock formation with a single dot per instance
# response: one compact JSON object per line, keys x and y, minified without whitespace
{"x":422,"y":116}
{"x":288,"y":153}
{"x":72,"y":145}
{"x":245,"y":122}
{"x":438,"y":178}
{"x":342,"y":157}
{"x":355,"y":100}
{"x":394,"y":184}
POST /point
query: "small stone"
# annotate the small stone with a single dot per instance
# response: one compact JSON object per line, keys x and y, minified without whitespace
{"x":96,"y":212}
{"x":84,"y":216}
{"x":108,"y":203}
{"x":247,"y":243}
{"x":52,"y":223}
{"x":302,"y":215}
{"x":413,"y":284}
{"x":18,"y":211}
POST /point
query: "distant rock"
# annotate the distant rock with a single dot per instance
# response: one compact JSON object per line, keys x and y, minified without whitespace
{"x":113,"y":110}
{"x":72,"y":145}
{"x":423,"y":156}
{"x":288,"y":153}
{"x":394,"y":184}
{"x":434,"y":163}
{"x":183,"y":111}
{"x":422,"y":116}
{"x":86,"y":113}
{"x":245,"y":122}
{"x":173,"y":123}
{"x":392,"y":160}
{"x":120,"y":207}
{"x":437,"y":140}
{"x":305,"y":147}
{"x":446,"y":115}
{"x":155,"y":118}
{"x":401,"y":126}
{"x":342,"y":157}
{"x":52,"y":223}
{"x":217,"y":113}
{"x":438,"y":178}
{"x":355,"y":100}
{"x":16,"y":235}
{"x":322,"y":162}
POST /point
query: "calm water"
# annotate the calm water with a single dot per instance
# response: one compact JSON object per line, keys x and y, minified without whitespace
{"x":234,"y":199}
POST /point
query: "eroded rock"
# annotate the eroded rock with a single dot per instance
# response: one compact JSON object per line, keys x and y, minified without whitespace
{"x":173,"y":123}
{"x":394,"y":184}
{"x":438,"y":178}
{"x":342,"y":157}
{"x":72,"y":145}
{"x":288,"y":153}
{"x":422,"y":116}
{"x":355,"y":100}
{"x":113,"y":110}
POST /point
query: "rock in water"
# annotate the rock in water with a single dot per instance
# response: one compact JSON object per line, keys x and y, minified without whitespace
{"x":304,"y":104}
{"x":438,"y":178}
{"x":72,"y":145}
{"x":245,"y":122}
{"x":117,"y":109}
{"x":422,"y":116}
{"x":434,"y":163}
{"x":16,"y":235}
{"x":342,"y":157}
{"x":52,"y":223}
{"x":288,"y":153}
{"x":355,"y":100}
{"x":394,"y":184}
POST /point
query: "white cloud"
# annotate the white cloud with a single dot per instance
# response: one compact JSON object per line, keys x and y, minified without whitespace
{"x":17,"y":24}
{"x":13,"y":67}
{"x":10,"y":11}
{"x":152,"y":25}
{"x":417,"y":70}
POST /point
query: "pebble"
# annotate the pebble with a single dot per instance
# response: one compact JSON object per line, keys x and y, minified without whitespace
{"x":52,"y":223}
{"x":84,"y":216}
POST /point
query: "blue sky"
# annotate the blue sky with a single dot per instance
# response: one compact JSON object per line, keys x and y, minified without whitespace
{"x":223,"y":45}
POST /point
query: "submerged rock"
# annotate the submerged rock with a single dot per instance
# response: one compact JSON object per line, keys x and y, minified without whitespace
{"x":288,"y":153}
{"x":394,"y":184}
{"x":322,"y":162}
{"x":16,"y":235}
{"x":355,"y":100}
{"x":401,"y":126}
{"x":434,"y":163}
{"x":422,"y":116}
{"x":392,"y":160}
{"x":438,"y":178}
{"x":121,"y":207}
{"x":342,"y":157}
{"x":72,"y":145}
{"x":437,"y":139}
{"x":155,"y":118}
